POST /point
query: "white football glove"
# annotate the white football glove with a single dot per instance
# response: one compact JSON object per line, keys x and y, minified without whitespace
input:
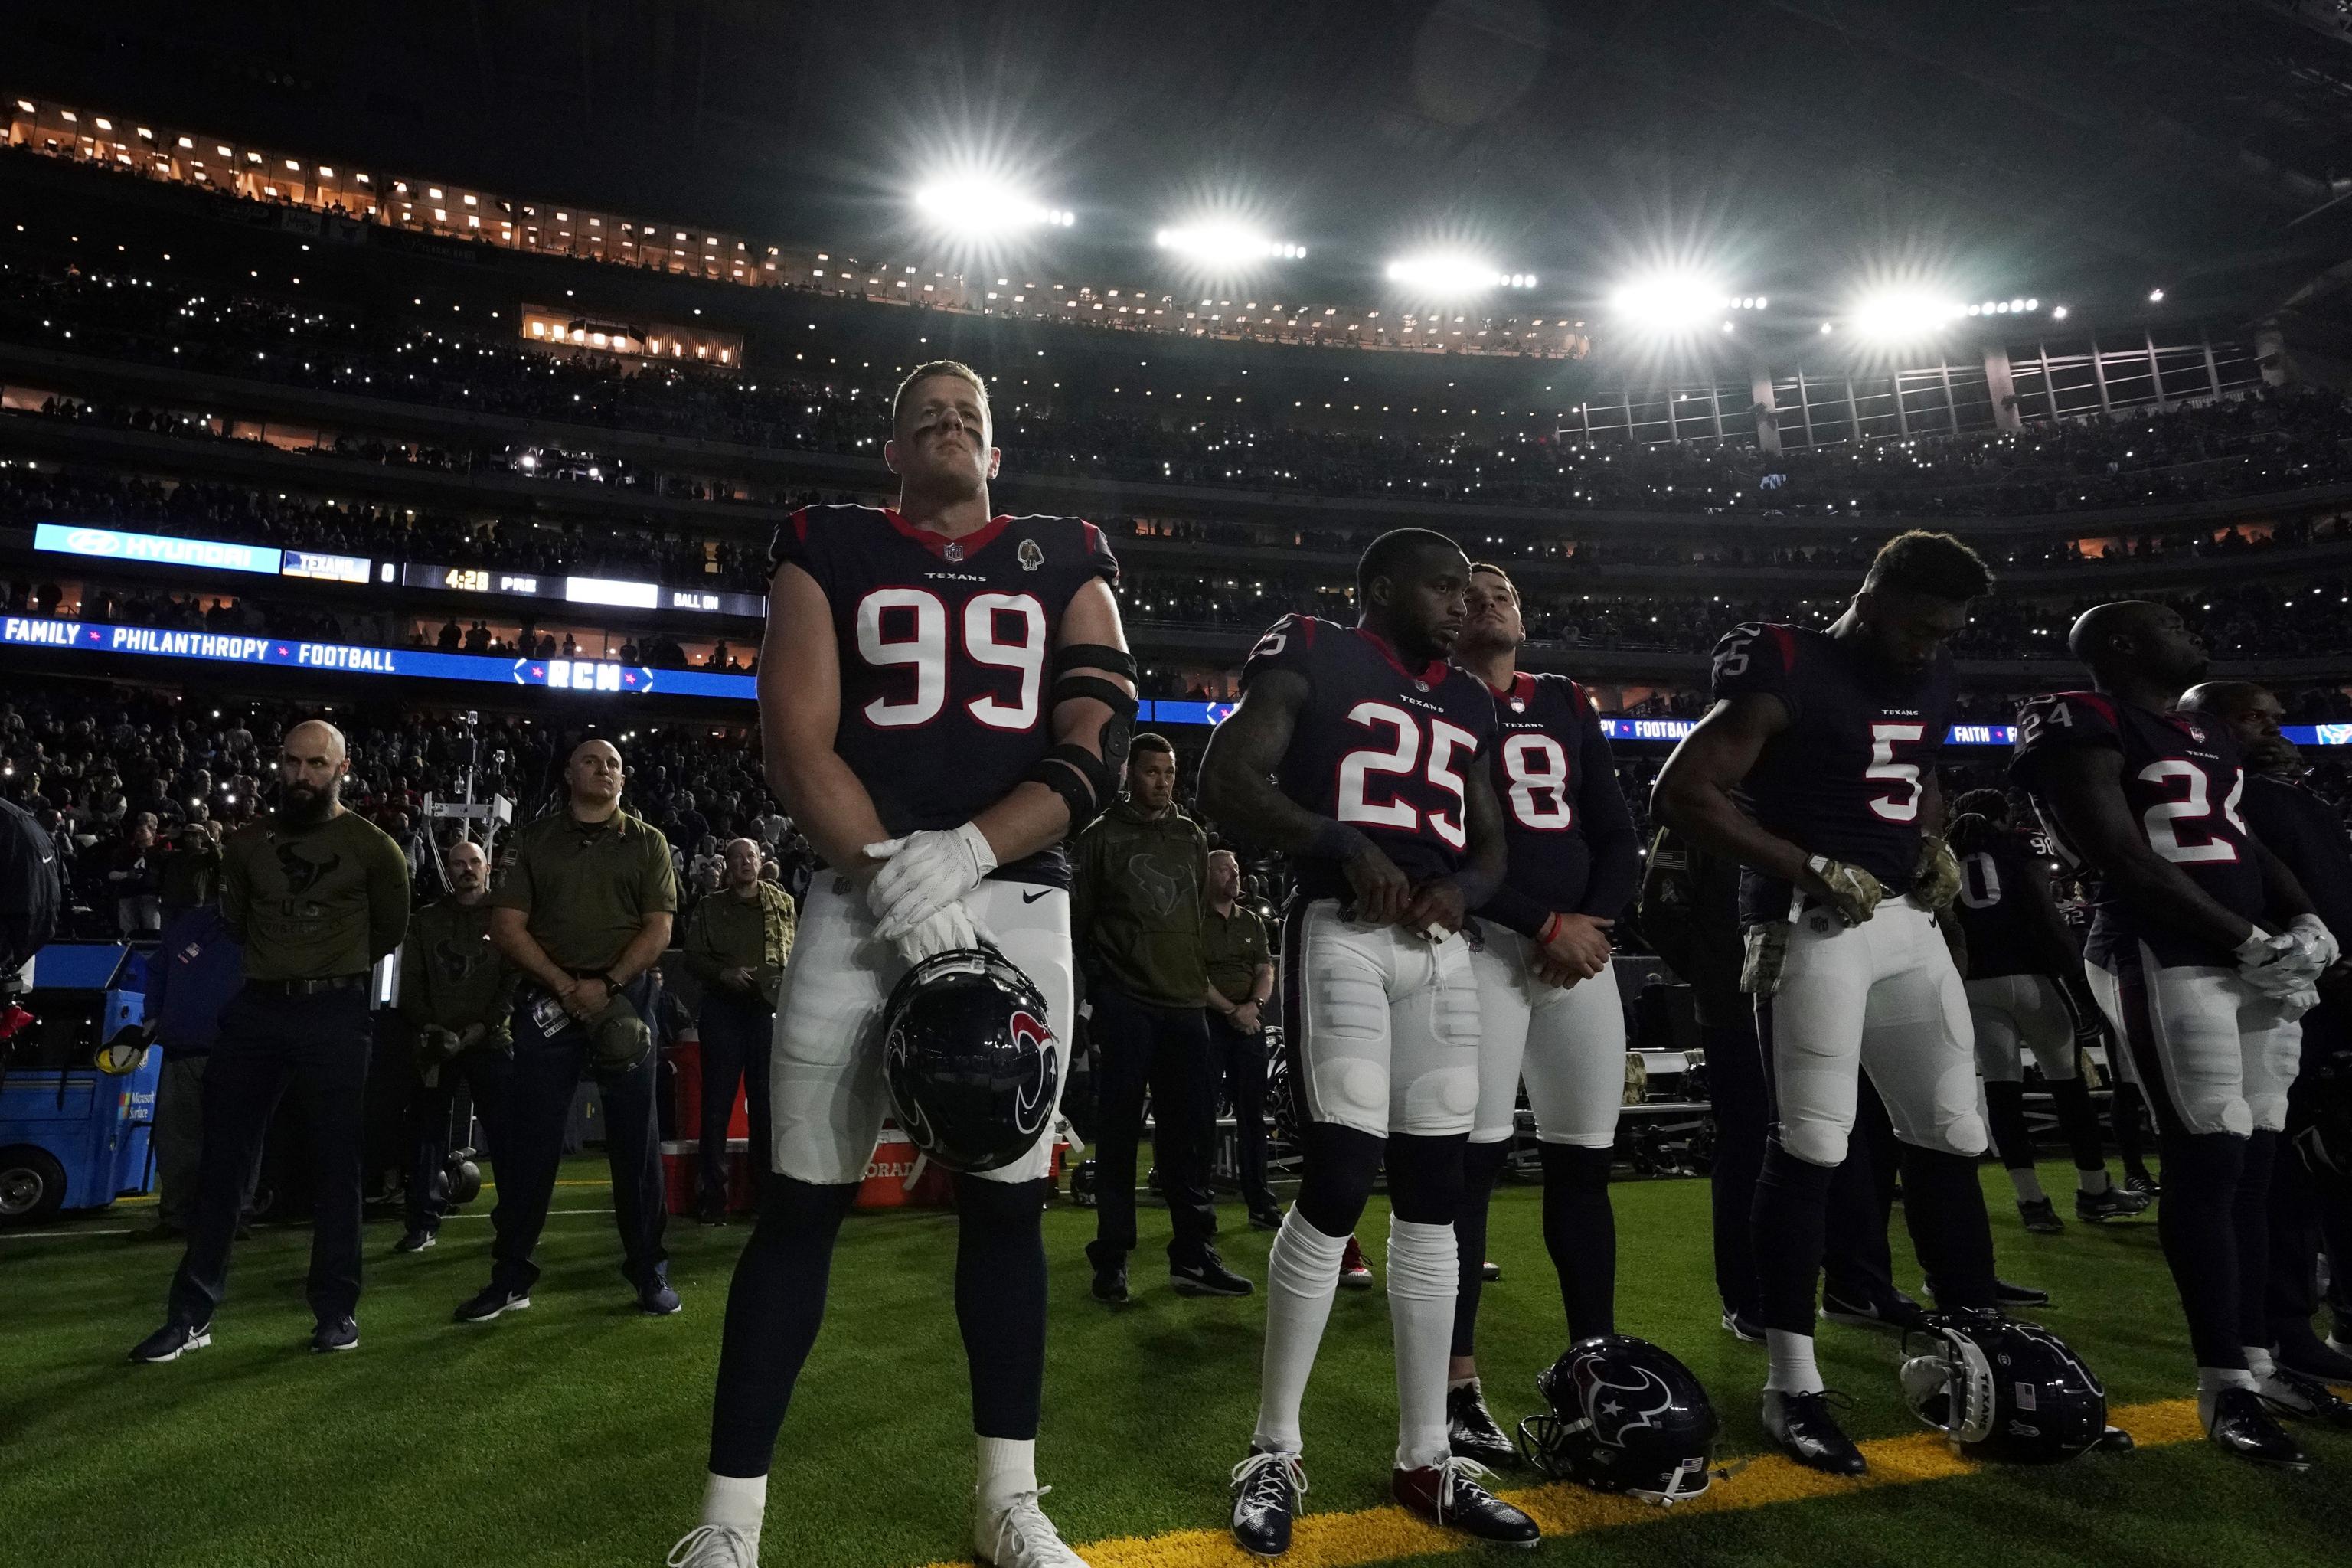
{"x":922,"y":873}
{"x":2277,"y":966}
{"x":946,"y":930}
{"x":2314,"y":934}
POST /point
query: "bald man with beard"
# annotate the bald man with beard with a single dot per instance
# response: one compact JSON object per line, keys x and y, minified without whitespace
{"x":316,"y":895}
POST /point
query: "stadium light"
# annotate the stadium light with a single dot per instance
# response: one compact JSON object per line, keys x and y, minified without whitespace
{"x":1896,"y":315}
{"x":1227,"y":245}
{"x":2156,"y":296}
{"x":1452,"y":274}
{"x":979,"y":208}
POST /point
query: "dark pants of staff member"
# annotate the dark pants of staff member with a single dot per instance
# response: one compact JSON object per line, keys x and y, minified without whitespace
{"x":548,"y":1067}
{"x":1240,"y":1059}
{"x":735,"y":1030}
{"x":1857,"y":1265}
{"x":273,"y":1035}
{"x":2310,"y":1199}
{"x":488,"y":1076}
{"x":1164,"y":1052}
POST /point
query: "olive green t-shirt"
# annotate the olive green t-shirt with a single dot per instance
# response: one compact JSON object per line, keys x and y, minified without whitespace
{"x":313,"y":902}
{"x":587,"y":886}
{"x":452,"y":976}
{"x":1235,"y":947}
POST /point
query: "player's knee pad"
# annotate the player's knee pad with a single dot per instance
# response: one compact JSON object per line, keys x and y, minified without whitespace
{"x":1812,"y":1140}
{"x":1341,"y":1163}
{"x":2266,"y":1112}
{"x":1425,"y":1178}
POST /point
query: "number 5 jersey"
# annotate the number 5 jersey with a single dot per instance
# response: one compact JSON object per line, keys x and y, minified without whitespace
{"x":2182,"y":780}
{"x":1382,"y":745}
{"x":945,"y":648}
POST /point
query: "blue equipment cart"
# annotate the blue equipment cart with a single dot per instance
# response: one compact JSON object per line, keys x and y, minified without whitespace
{"x":72,"y":1137}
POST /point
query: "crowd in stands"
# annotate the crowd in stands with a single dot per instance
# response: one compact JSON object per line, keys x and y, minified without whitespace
{"x":2266,"y":442}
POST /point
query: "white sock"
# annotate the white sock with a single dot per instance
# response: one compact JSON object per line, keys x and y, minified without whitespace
{"x":2259,"y":1363}
{"x":2212,"y":1380}
{"x":1791,"y":1357}
{"x":2091,"y":1182}
{"x":1425,"y":1275}
{"x":2028,"y":1183}
{"x":736,"y":1503}
{"x":1302,"y":1275}
{"x":1008,"y":1467}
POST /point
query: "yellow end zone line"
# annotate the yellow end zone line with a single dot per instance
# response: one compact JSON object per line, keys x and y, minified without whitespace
{"x":1380,"y":1534}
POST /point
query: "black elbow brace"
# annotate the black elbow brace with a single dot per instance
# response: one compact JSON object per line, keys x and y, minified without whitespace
{"x":1093,"y":656}
{"x":1085,"y":782}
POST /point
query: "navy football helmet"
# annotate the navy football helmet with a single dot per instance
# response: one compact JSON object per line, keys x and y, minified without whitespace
{"x":1625,"y":1418}
{"x":973,"y":1067}
{"x":2005,"y":1390}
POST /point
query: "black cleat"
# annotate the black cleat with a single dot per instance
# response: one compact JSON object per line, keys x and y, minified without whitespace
{"x":1899,"y":1311}
{"x":1110,"y":1281}
{"x":1269,"y":1489}
{"x":656,"y":1300}
{"x":2243,"y":1425}
{"x":1471,"y":1430}
{"x":2142,"y":1184}
{"x":1449,"y":1495}
{"x":1490,"y":1271}
{"x":1802,"y":1423}
{"x":489,"y":1302}
{"x":2041,"y":1216}
{"x":2300,"y":1349}
{"x":171,"y":1341}
{"x":415,"y":1240}
{"x":2115,"y":1203}
{"x":1266,"y":1219}
{"x":2305,"y":1398}
{"x":1743,"y":1328}
{"x":2014,"y":1296}
{"x":2115,"y":1440}
{"x":1207,"y":1275}
{"x":342,"y":1334}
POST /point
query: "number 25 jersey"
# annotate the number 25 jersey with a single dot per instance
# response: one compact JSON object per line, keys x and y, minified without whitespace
{"x":1381,"y":745}
{"x":2182,"y":781}
{"x":946,"y":647}
{"x":1845,"y":777}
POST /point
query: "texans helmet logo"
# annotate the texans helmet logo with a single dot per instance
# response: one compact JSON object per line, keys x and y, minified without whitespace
{"x":1035,"y":1100}
{"x":455,"y":959}
{"x":1617,"y":1408}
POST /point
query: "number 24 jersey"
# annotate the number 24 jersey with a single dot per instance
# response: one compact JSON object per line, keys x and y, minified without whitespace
{"x":1381,"y":745}
{"x":945,"y":647}
{"x":2183,"y":780}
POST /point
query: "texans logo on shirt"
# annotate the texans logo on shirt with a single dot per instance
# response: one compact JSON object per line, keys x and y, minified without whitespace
{"x":454,"y":959}
{"x":302,"y":875}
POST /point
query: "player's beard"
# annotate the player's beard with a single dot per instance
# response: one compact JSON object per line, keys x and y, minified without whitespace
{"x":306,"y":805}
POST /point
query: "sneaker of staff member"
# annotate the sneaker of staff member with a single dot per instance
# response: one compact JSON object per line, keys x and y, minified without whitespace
{"x":316,"y":895}
{"x":583,"y":913}
{"x":1137,"y":899}
{"x":2205,"y":950}
{"x":947,"y":696}
{"x":1233,"y":945}
{"x":736,"y":945}
{"x":457,"y":993}
{"x":1815,"y":770}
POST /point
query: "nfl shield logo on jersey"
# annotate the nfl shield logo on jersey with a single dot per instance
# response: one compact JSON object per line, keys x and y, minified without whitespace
{"x":1031,"y":556}
{"x":953,"y":551}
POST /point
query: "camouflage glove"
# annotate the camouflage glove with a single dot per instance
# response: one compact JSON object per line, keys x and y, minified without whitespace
{"x":1935,"y":879}
{"x":1768,"y":951}
{"x":1852,"y":892}
{"x":618,"y":1040}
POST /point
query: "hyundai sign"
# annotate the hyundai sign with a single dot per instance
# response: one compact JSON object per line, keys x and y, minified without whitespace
{"x":155,"y":549}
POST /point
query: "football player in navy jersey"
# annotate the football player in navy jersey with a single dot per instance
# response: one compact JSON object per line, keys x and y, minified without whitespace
{"x":1547,"y":1000}
{"x":1815,"y":770}
{"x":2187,"y":964}
{"x":1362,"y":755}
{"x":2026,"y":991}
{"x":945,"y":694}
{"x":2152,"y":802}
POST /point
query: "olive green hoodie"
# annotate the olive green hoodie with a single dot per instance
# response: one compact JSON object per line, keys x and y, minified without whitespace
{"x":1141,"y":884}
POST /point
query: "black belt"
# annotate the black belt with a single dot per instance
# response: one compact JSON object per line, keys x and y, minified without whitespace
{"x":308,"y":987}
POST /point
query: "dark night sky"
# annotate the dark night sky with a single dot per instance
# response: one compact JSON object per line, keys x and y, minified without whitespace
{"x":2049,"y":148}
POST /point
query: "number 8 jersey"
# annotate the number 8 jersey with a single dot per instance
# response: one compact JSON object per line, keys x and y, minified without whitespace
{"x":946,"y":648}
{"x":1381,"y":745}
{"x":1844,"y":779}
{"x":2182,"y":782}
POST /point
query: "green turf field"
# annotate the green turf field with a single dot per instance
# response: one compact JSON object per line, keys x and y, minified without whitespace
{"x":573,"y":1434}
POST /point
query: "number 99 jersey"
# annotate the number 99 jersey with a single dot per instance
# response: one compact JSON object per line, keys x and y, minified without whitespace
{"x":1844,"y":779}
{"x":1380,"y":746}
{"x":2182,"y":782}
{"x":945,"y":647}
